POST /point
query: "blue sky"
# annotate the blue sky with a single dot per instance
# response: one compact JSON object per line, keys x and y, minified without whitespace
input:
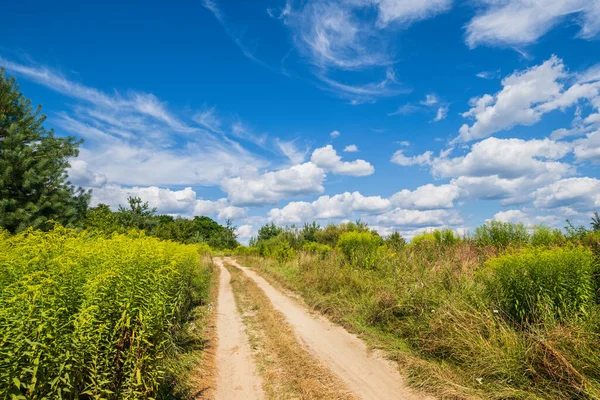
{"x":407,"y":115}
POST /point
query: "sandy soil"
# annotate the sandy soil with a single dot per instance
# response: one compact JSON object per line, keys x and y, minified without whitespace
{"x":366,"y":373}
{"x":236,"y":372}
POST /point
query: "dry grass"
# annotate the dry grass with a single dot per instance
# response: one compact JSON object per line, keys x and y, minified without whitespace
{"x":288,"y":370}
{"x":204,"y":375}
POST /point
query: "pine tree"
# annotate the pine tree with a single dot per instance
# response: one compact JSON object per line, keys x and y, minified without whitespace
{"x":34,"y":186}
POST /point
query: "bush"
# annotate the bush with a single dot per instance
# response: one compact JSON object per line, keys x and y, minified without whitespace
{"x":321,"y":250}
{"x":544,"y":236}
{"x":537,"y":283}
{"x":360,"y":248}
{"x":278,"y":248}
{"x":90,"y":316}
{"x":246,"y":251}
{"x":501,"y":234}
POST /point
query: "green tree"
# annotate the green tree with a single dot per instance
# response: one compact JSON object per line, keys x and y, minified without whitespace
{"x":138,"y":215}
{"x":268,"y":231}
{"x":101,"y":218}
{"x":595,"y":222}
{"x":34,"y":186}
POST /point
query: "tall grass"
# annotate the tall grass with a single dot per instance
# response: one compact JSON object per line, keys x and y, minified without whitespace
{"x":466,"y":318}
{"x":87,"y":317}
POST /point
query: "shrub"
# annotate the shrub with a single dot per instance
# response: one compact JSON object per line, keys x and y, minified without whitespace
{"x":278,"y":248}
{"x":501,"y":234}
{"x":360,"y":248}
{"x":246,"y":251}
{"x":544,"y":236}
{"x":537,"y":283}
{"x":92,"y":317}
{"x":321,"y":250}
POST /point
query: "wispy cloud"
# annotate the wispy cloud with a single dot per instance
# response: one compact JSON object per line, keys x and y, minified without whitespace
{"x":134,"y":139}
{"x":207,"y":117}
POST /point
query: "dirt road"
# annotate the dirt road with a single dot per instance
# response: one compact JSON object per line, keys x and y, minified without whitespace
{"x":367,"y":374}
{"x":236,"y":373}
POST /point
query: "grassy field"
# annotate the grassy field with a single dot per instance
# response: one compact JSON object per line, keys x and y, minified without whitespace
{"x":87,"y":316}
{"x":472,"y":318}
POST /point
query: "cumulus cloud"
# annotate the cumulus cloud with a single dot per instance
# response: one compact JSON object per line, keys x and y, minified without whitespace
{"x":512,"y":216}
{"x":334,"y":134}
{"x":328,"y":159}
{"x":182,"y":202}
{"x":427,"y":197}
{"x":326,"y":207}
{"x":422,"y":159}
{"x":416,"y":218}
{"x":505,"y":169}
{"x":351,"y":148}
{"x":81,"y":175}
{"x":520,"y":22}
{"x":506,"y":158}
{"x":515,"y":103}
{"x":582,"y":194}
{"x":244,"y":231}
{"x":525,"y":97}
{"x":442,"y":113}
{"x":588,"y":149}
{"x":272,"y":186}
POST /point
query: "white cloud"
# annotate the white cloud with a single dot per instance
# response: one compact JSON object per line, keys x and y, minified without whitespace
{"x":328,"y":159}
{"x":325,"y":207}
{"x":182,"y":202}
{"x":512,"y":216}
{"x":207,"y":117}
{"x":442,"y":113}
{"x":80,"y":174}
{"x":351,"y":148}
{"x":291,"y":151}
{"x":427,"y":197}
{"x":588,"y":149}
{"x":136,"y":133}
{"x":406,"y":109}
{"x":244,"y":231}
{"x":334,"y":134}
{"x":515,"y":103}
{"x":526,"y":96}
{"x":422,"y":159}
{"x":416,"y":218}
{"x":520,"y":22}
{"x":506,"y":158}
{"x":581,"y":194}
{"x":430,"y":100}
{"x":270,"y":187}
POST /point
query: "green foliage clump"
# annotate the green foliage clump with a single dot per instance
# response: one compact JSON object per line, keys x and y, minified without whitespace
{"x":445,"y":237}
{"x":246,"y":251}
{"x":278,"y":248}
{"x":87,"y":316}
{"x":536,"y":283}
{"x":34,"y":187}
{"x":361,"y":249}
{"x":140,"y":216}
{"x":501,"y":234}
{"x":395,"y":242}
{"x":322,"y":250}
{"x":544,"y":236}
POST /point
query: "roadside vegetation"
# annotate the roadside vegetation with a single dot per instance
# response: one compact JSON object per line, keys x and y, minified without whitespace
{"x":91,"y":316}
{"x":508,"y":312}
{"x":94,"y":303}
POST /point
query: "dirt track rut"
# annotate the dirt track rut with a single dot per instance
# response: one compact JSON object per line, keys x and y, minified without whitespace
{"x":367,"y":374}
